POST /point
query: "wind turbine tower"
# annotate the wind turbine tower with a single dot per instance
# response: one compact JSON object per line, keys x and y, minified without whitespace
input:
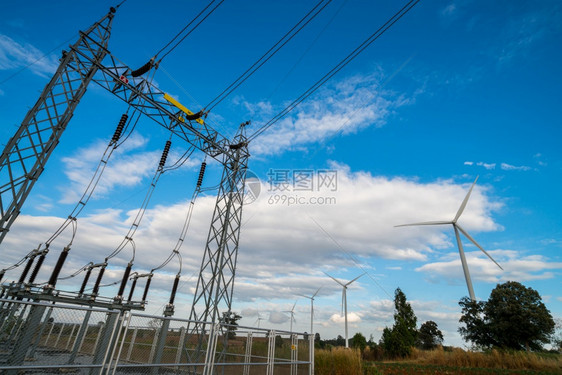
{"x":458,"y":229}
{"x":344,"y":301}
{"x":311,"y":298}
{"x":292,"y":312}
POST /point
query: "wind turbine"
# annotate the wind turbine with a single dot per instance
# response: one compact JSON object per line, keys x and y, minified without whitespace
{"x":458,"y":228}
{"x":292,"y":312}
{"x":311,"y":298}
{"x":259,"y":319}
{"x":344,"y":300}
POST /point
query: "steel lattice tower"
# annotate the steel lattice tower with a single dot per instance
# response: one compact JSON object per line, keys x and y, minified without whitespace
{"x":89,"y":60}
{"x":27,"y":152}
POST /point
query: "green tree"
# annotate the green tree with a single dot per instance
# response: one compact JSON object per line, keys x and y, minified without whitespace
{"x":359,"y":341}
{"x":230,"y":319}
{"x":557,"y":337}
{"x":475,"y":329}
{"x":429,"y":335}
{"x":399,"y":340}
{"x":340,"y":341}
{"x":514,"y":317}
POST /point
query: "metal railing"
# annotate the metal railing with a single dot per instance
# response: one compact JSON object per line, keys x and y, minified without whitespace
{"x":38,"y":337}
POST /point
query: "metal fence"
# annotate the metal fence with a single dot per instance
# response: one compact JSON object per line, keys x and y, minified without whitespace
{"x":47,"y":338}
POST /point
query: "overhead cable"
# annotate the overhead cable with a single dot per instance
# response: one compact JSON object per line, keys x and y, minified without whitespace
{"x":381,"y":30}
{"x":272,"y":51}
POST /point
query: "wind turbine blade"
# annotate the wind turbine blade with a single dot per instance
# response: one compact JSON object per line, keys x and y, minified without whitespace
{"x":464,"y":202}
{"x":464,"y":264}
{"x":342,"y":299}
{"x":314,"y":295}
{"x":478,"y":246}
{"x":355,"y":278}
{"x":424,"y":223}
{"x":336,"y":280}
{"x":302,"y":295}
{"x":293,"y":309}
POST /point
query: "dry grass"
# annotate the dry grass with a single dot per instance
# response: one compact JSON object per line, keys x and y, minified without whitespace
{"x":493,"y":359}
{"x":338,"y":361}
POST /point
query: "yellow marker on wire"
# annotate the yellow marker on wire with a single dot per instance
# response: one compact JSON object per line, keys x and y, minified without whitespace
{"x":182,"y":108}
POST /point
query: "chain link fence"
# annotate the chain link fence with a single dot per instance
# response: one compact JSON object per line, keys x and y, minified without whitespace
{"x":47,"y":338}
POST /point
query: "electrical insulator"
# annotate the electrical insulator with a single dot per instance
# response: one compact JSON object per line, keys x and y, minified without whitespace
{"x":85,"y":282}
{"x":119,"y":128}
{"x":37,"y":268}
{"x":98,"y":280}
{"x":201,"y":174}
{"x":58,"y":267}
{"x":133,"y":288}
{"x":124,"y":280}
{"x":146,"y":287}
{"x":174,"y":290}
{"x":26,"y":269}
{"x":165,"y":154}
{"x":143,"y":69}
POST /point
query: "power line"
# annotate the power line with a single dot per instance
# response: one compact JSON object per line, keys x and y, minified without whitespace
{"x":190,"y":31}
{"x":351,"y":256}
{"x":381,"y":30}
{"x":35,"y":61}
{"x":270,"y":53}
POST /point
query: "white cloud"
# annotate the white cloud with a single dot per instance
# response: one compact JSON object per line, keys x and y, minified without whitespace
{"x":509,"y":167}
{"x":127,"y":166}
{"x":276,"y":317}
{"x":486,"y":165}
{"x":516,"y":267}
{"x":283,"y":252}
{"x":281,"y":246}
{"x":468,"y":163}
{"x":14,"y":55}
{"x":352,"y":317}
{"x":449,"y":10}
{"x":344,"y":107}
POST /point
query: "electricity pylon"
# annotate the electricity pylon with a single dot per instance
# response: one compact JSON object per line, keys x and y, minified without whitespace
{"x":27,"y":152}
{"x":89,"y":60}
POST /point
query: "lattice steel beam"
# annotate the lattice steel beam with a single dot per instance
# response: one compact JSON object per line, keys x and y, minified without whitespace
{"x":26,"y":153}
{"x":214,"y":292}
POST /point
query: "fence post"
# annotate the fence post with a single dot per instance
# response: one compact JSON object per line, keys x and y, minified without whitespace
{"x":70,"y":337}
{"x":131,"y":344}
{"x":49,"y":334}
{"x":248,"y":355}
{"x":39,"y":336}
{"x":160,"y":344}
{"x":32,"y":322}
{"x":153,"y":348}
{"x":104,"y":345}
{"x":80,"y":337}
{"x":125,"y":330}
{"x":59,"y":334}
{"x":271,"y":353}
{"x":294,"y":353}
{"x":211,"y":350}
{"x":98,"y":338}
{"x":180,"y":345}
{"x":311,"y":354}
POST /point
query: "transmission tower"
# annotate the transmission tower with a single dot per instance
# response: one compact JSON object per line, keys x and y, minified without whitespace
{"x":89,"y":60}
{"x":27,"y":152}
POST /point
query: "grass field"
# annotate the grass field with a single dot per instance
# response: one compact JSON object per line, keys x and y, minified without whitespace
{"x":339,"y":361}
{"x":412,"y":368}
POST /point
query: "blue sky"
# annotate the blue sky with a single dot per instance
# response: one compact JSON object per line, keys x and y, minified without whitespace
{"x":453,"y":91}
